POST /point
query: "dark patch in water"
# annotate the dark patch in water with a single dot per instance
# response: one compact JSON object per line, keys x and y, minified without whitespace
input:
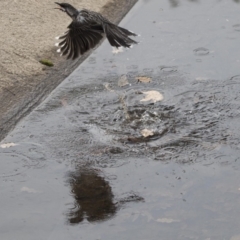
{"x":93,"y":197}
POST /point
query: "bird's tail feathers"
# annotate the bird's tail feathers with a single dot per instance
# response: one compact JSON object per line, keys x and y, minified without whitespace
{"x":127,"y":32}
{"x":118,"y":36}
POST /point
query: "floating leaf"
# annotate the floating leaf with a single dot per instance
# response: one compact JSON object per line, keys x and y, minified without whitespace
{"x":155,"y":96}
{"x":8,"y":145}
{"x":146,"y":132}
{"x":143,"y":79}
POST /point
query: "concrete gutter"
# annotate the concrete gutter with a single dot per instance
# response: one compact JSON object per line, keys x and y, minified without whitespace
{"x":18,"y":100}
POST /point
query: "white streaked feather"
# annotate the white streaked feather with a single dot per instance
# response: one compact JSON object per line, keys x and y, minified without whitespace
{"x":59,"y":50}
{"x":58,"y":37}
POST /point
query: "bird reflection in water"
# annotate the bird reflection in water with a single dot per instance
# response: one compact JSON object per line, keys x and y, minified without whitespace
{"x":93,"y":197}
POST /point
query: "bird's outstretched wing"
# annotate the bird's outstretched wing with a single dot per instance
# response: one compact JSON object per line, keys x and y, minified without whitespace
{"x":117,"y":36}
{"x":80,"y":38}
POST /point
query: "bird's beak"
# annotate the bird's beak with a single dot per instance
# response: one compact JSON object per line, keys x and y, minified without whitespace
{"x":58,"y":3}
{"x":61,"y":8}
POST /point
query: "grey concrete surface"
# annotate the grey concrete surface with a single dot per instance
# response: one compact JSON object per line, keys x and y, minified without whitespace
{"x":78,"y":166}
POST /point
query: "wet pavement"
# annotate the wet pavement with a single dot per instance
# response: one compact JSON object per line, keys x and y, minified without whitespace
{"x":79,"y":167}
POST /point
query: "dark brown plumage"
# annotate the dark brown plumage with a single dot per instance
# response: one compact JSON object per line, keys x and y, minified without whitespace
{"x":86,"y":31}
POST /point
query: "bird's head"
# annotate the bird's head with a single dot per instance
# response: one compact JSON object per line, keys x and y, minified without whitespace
{"x":67,"y":8}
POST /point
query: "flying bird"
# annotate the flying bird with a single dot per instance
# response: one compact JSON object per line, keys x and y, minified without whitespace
{"x":87,"y":29}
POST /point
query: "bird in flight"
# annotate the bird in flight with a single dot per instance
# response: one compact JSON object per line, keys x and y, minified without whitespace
{"x":87,"y":29}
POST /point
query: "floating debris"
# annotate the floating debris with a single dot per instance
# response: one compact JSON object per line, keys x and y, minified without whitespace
{"x":8,"y":145}
{"x":143,"y":79}
{"x":146,"y":132}
{"x":154,"y":96}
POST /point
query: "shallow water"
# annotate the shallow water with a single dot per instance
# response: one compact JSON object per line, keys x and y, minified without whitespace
{"x":81,"y":168}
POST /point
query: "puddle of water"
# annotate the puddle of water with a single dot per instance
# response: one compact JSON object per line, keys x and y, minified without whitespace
{"x":93,"y":198}
{"x":80,"y":166}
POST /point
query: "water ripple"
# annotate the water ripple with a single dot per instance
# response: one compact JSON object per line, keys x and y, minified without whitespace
{"x":201,"y":51}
